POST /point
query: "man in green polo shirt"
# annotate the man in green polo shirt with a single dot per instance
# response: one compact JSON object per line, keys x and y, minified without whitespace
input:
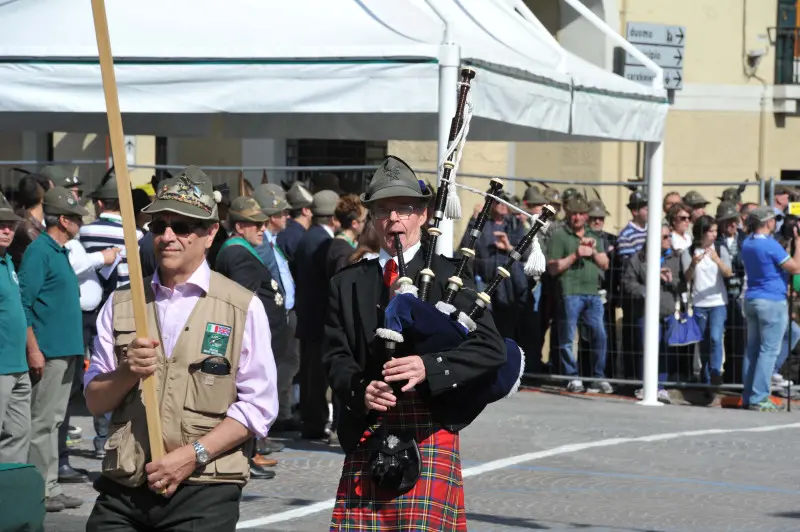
{"x":51,"y":298}
{"x":15,"y":384}
{"x":576,"y":263}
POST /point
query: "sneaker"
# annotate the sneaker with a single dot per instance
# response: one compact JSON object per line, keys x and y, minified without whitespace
{"x":779,"y":380}
{"x":765,"y":406}
{"x":605,"y":387}
{"x":663,"y":396}
{"x":73,"y":440}
{"x":575,"y":386}
{"x":74,"y":432}
{"x":51,"y":505}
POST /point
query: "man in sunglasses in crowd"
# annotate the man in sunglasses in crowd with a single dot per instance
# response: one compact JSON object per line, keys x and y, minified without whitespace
{"x":209,"y":352}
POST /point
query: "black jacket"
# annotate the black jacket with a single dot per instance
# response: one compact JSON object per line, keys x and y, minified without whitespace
{"x":239,"y":265}
{"x":353,"y":357}
{"x":311,"y":259}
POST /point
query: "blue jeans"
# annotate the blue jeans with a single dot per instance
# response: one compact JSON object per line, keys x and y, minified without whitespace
{"x":766,"y":326}
{"x":712,"y":324}
{"x":570,"y":310}
{"x":784,"y":354}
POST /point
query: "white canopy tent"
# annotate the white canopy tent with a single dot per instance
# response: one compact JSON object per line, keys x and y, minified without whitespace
{"x":327,"y":69}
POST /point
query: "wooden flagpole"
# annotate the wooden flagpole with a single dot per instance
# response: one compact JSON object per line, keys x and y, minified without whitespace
{"x":128,"y":221}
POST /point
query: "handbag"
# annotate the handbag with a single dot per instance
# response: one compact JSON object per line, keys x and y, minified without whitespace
{"x":682,"y":327}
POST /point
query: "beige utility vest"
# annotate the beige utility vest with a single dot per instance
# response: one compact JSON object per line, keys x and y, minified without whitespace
{"x":191,"y":402}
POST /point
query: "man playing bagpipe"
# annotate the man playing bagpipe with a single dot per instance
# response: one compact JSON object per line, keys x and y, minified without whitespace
{"x":432,"y":405}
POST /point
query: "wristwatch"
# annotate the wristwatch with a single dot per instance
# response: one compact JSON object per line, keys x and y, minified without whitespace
{"x":202,"y":457}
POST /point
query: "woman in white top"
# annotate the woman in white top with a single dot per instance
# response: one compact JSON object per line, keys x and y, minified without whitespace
{"x":679,"y":219}
{"x":706,"y":266}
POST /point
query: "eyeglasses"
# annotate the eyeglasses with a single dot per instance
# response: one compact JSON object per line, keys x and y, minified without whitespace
{"x":682,"y":218}
{"x":12,"y":226}
{"x":179,"y":227}
{"x":665,"y":237}
{"x":403,"y":211}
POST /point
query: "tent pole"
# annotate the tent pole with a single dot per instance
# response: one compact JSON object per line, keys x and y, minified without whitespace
{"x":655,"y":186}
{"x":449,"y":64}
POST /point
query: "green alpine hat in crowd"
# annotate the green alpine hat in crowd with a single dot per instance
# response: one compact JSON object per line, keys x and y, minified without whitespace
{"x":269,"y":202}
{"x":731,"y":195}
{"x":60,"y":176}
{"x":394,"y":179}
{"x":597,"y":209}
{"x":246,"y":209}
{"x":107,"y":190}
{"x":189,"y":193}
{"x":577,"y":205}
{"x":324,"y":203}
{"x":727,"y":211}
{"x":694,"y":199}
{"x":637,"y":200}
{"x":58,"y":201}
{"x":6,"y":211}
{"x":299,"y":196}
{"x":533,"y":197}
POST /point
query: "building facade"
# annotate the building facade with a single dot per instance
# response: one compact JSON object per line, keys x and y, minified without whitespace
{"x":734,"y":119}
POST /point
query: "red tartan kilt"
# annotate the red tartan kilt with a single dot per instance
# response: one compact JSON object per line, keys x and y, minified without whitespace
{"x":435,"y":503}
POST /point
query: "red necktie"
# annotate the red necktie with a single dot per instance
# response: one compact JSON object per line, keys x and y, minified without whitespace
{"x":390,"y":274}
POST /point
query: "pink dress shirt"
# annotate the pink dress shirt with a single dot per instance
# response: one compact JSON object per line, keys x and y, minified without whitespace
{"x":257,"y":404}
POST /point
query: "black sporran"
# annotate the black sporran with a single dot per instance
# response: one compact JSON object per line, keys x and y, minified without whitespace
{"x":394,"y":461}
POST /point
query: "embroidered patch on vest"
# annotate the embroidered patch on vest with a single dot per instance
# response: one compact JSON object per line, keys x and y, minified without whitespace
{"x":215,"y":340}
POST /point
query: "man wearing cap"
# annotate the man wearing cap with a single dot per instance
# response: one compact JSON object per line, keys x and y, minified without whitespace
{"x":695,"y":201}
{"x":300,"y":218}
{"x":61,"y":177}
{"x":209,"y":352}
{"x":51,"y":298}
{"x":312,"y":298}
{"x":15,"y":383}
{"x":492,"y":249}
{"x":240,"y":261}
{"x":732,"y":195}
{"x":731,"y":238}
{"x":436,"y":387}
{"x":575,"y":259}
{"x":766,"y":264}
{"x":633,"y":236}
{"x":287,"y":354}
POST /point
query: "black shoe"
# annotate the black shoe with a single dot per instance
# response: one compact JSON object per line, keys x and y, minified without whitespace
{"x":267,"y":446}
{"x":66,"y":501}
{"x":67,"y":475}
{"x":51,"y":505}
{"x":260,"y":473}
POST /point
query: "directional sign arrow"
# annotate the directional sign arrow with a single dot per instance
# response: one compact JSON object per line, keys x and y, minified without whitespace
{"x":678,"y":56}
{"x":678,"y":78}
{"x":680,"y":35}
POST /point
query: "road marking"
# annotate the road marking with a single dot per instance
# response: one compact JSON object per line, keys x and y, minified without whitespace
{"x":503,"y":463}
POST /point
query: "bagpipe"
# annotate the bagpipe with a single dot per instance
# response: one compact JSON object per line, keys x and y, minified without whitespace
{"x":423,"y":327}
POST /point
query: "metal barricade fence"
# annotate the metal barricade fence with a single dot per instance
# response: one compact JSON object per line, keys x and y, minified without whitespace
{"x":624,"y":351}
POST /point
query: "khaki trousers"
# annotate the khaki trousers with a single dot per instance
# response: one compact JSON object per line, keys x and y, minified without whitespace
{"x":15,"y":418}
{"x":48,"y":407}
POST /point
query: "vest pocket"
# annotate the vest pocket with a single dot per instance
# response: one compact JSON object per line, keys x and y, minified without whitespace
{"x":230,"y":466}
{"x":209,"y":394}
{"x":124,"y":460}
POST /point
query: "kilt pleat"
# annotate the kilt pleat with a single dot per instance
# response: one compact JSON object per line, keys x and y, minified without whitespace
{"x":434,"y":504}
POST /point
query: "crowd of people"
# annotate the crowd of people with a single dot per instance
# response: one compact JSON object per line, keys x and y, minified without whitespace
{"x":65,"y":336}
{"x":595,"y":280}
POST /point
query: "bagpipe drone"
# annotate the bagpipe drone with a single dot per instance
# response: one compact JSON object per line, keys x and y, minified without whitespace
{"x":424,"y":327}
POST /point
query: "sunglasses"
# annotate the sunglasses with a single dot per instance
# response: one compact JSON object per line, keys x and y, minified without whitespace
{"x":12,"y":226}
{"x":179,"y":227}
{"x":403,"y":211}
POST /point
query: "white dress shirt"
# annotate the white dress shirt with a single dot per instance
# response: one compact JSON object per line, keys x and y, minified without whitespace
{"x":84,"y":265}
{"x":384,"y":257}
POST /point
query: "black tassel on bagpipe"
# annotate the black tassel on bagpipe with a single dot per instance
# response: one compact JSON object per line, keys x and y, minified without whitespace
{"x":426,"y":274}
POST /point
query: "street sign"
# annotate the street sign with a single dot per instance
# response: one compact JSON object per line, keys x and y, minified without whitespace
{"x":673,"y":77}
{"x":660,"y":55}
{"x":664,"y":45}
{"x":657,"y":34}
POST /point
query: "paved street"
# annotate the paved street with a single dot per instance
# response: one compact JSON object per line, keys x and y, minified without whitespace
{"x":549,"y":462}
